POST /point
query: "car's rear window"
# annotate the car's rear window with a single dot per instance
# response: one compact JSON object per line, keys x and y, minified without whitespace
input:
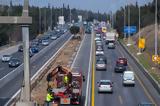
{"x":105,"y":83}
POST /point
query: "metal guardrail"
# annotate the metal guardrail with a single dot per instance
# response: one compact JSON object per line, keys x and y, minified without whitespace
{"x":150,"y":78}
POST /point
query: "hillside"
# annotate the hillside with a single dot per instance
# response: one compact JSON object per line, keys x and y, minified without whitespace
{"x":148,"y":33}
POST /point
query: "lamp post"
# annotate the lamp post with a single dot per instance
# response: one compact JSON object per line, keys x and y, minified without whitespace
{"x":139,"y":34}
{"x":128,"y":42}
{"x":156,"y":30}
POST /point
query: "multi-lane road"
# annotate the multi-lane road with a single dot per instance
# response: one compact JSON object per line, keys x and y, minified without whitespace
{"x":143,"y":91}
{"x":85,"y":62}
{"x":36,"y":62}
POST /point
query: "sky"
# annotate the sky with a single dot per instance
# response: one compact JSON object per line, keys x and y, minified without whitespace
{"x":93,"y":5}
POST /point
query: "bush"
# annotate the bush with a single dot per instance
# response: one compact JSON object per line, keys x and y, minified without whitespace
{"x":74,"y":30}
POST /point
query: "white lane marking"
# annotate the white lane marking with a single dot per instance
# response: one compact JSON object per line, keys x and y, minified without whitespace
{"x":78,"y":52}
{"x":120,"y":99}
{"x":88,"y":79}
{"x":38,"y":71}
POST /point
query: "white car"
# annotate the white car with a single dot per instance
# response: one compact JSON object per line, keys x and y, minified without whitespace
{"x":101,"y":64}
{"x":99,"y":52}
{"x":45,"y":42}
{"x":97,"y":38}
{"x":128,"y":78}
{"x":53,"y":37}
{"x":105,"y":86}
{"x":111,"y":45}
{"x":6,"y":58}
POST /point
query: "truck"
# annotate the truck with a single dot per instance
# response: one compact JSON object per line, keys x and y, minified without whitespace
{"x":110,"y":37}
{"x":68,"y":94}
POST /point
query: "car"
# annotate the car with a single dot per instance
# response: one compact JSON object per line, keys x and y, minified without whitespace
{"x":45,"y":42}
{"x":34,"y":49}
{"x":120,"y":68}
{"x":101,"y":57}
{"x":105,"y":86}
{"x":99,"y":50}
{"x":146,"y":104}
{"x":6,"y":58}
{"x":20,"y":48}
{"x":98,"y":35}
{"x":101,"y":64}
{"x":128,"y":78}
{"x":14,"y":62}
{"x":53,"y":37}
{"x":122,"y":60}
{"x":111,"y":45}
{"x":97,"y":38}
{"x":99,"y":43}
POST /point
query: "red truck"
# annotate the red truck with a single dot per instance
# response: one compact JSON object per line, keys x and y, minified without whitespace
{"x":67,"y":93}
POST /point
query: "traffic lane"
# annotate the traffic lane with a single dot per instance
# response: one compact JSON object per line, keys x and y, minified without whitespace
{"x":14,"y":85}
{"x":82,"y":63}
{"x":4,"y":67}
{"x":124,"y":96}
{"x":49,"y":52}
{"x":149,"y":89}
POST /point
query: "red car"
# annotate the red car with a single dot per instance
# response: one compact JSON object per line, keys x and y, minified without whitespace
{"x":122,"y":60}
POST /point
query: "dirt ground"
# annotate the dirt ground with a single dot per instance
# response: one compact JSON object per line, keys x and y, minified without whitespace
{"x":39,"y":91}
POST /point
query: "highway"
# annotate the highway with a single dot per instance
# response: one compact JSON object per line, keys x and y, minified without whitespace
{"x":5,"y":69}
{"x":36,"y":62}
{"x":122,"y":96}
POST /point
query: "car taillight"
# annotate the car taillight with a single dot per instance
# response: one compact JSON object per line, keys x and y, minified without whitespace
{"x":111,"y":86}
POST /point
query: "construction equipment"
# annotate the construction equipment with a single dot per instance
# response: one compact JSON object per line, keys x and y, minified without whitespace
{"x":69,"y":93}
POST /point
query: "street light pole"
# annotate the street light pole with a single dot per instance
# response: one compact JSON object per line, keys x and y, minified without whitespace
{"x":156,"y":30}
{"x":129,"y":43}
{"x":139,"y":34}
{"x":124,"y":20}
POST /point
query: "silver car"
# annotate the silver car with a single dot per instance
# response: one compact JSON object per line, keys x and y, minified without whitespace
{"x":105,"y":86}
{"x":45,"y":42}
{"x":101,"y":64}
{"x":6,"y":58}
{"x":128,"y":78}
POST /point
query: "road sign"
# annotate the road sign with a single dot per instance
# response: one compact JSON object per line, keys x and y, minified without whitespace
{"x":155,"y":58}
{"x":141,"y":43}
{"x":104,"y":29}
{"x":61,"y":20}
{"x":130,"y":29}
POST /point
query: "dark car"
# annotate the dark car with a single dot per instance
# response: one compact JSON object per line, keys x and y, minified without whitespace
{"x":122,"y":60}
{"x":119,"y":68}
{"x":14,"y":62}
{"x":20,"y":48}
{"x":34,"y":49}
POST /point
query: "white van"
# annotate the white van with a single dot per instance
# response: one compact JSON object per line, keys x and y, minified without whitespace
{"x":128,"y":78}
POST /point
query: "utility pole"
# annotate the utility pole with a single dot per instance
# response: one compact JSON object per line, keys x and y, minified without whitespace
{"x":156,"y":29}
{"x":139,"y":34}
{"x":51,"y":18}
{"x":124,"y":20}
{"x":45,"y":22}
{"x":129,"y":34}
{"x":39,"y":20}
{"x":70,"y":18}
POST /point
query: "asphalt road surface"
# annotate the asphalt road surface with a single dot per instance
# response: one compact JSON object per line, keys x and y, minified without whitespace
{"x":8,"y":90}
{"x":122,"y":96}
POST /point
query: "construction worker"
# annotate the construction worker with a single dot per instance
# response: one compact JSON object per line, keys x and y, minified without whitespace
{"x":66,"y":79}
{"x":49,"y":97}
{"x":69,"y":77}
